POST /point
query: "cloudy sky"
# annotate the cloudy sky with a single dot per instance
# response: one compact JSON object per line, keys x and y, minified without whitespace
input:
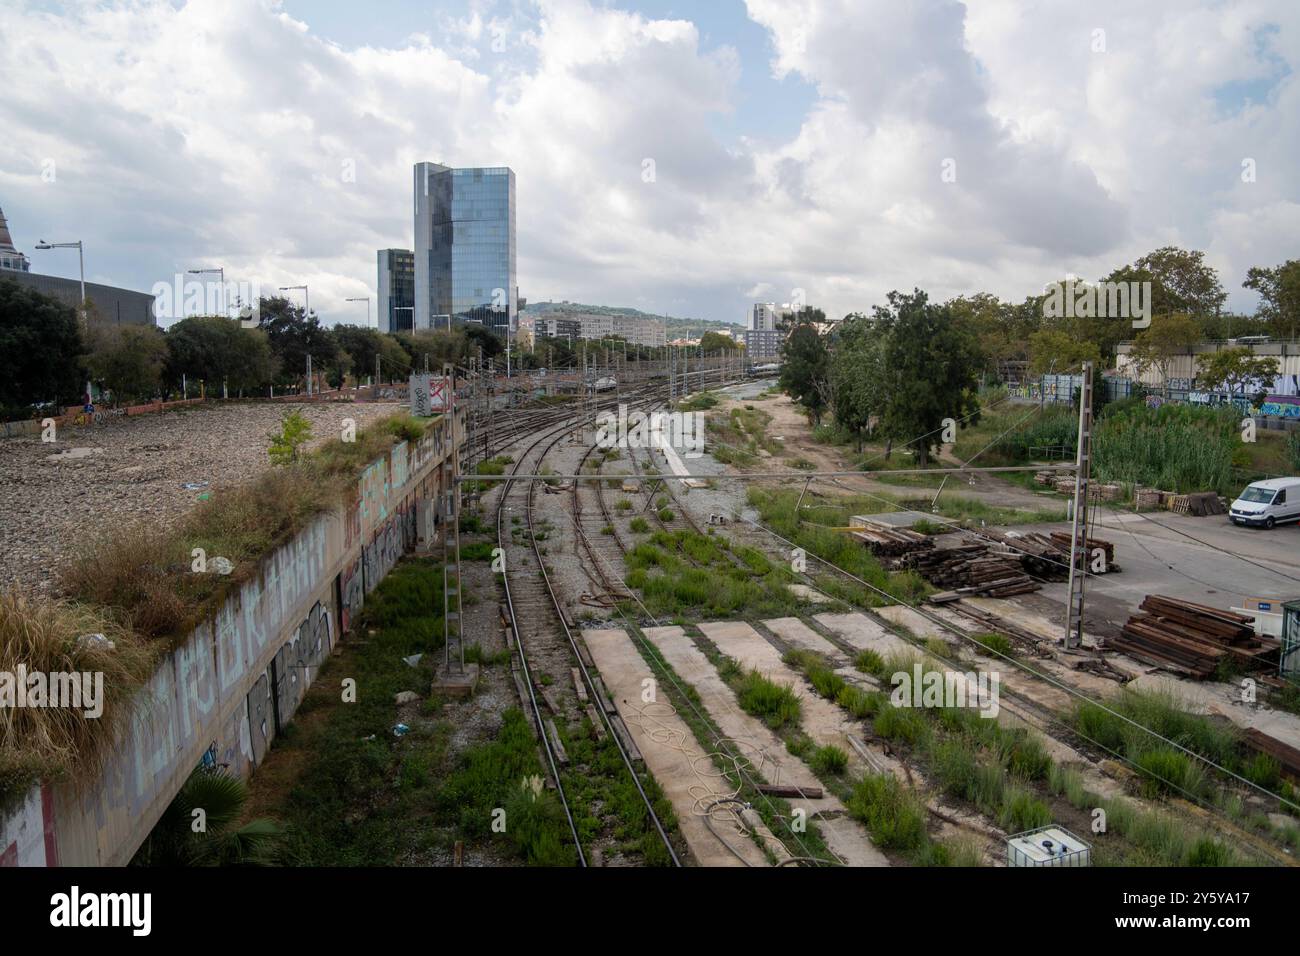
{"x":839,"y":147}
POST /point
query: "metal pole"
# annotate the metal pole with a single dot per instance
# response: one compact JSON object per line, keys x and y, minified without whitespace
{"x":1079,"y":527}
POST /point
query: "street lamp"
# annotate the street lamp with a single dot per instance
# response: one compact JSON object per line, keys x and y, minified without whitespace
{"x":221,"y":271}
{"x":306,"y":300}
{"x":80,"y":256}
{"x":366,"y":300}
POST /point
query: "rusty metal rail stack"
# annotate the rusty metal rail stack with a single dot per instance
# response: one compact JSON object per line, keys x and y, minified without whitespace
{"x":1193,"y":639}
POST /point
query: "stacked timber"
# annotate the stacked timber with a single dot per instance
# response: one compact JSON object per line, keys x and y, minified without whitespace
{"x":892,"y":544}
{"x":1198,"y":504}
{"x":1100,"y":491}
{"x":1149,"y":498}
{"x":1284,"y":754}
{"x":1062,"y":540}
{"x":1038,"y":554}
{"x":973,"y":569}
{"x":1048,"y":479}
{"x":1192,"y":639}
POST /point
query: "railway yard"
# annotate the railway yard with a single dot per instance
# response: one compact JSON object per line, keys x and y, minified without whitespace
{"x":705,"y":670}
{"x":709,"y":683}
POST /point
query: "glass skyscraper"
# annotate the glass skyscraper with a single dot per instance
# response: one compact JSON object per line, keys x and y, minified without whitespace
{"x":396,"y":290}
{"x":465,"y":247}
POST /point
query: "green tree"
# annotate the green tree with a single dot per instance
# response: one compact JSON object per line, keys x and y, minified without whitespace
{"x":1167,"y":338}
{"x":932,"y":369}
{"x":293,"y":336}
{"x":717,"y":342}
{"x":1191,"y":286}
{"x":294,"y":431}
{"x":220,"y":351}
{"x":127,"y":360}
{"x":805,"y":368}
{"x":1055,"y":349}
{"x":41,"y":347}
{"x":1233,"y":369}
{"x":857,"y":376}
{"x":1279,"y":294}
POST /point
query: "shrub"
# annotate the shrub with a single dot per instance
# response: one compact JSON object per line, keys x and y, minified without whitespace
{"x":776,"y":703}
{"x":639,"y":525}
{"x":894,"y":816}
{"x":829,"y":759}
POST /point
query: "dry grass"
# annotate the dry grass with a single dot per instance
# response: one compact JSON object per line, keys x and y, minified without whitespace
{"x":53,"y":742}
{"x":144,"y":575}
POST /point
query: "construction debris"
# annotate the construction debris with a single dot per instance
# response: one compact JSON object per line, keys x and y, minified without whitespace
{"x":1192,"y":639}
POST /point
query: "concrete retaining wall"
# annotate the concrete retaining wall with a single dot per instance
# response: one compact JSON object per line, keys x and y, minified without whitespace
{"x":221,"y":696}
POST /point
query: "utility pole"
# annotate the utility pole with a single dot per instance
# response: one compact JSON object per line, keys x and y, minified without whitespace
{"x":1079,"y":528}
{"x":453,"y":661}
{"x":376,"y":370}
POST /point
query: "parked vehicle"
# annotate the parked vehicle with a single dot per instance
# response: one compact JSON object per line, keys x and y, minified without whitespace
{"x":1267,"y":503}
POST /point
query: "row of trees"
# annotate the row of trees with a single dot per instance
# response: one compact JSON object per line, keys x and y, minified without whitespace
{"x":894,"y":375}
{"x":47,"y":356}
{"x":1187,"y":296}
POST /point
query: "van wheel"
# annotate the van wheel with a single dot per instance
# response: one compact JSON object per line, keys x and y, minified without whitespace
{"x":1269,"y":522}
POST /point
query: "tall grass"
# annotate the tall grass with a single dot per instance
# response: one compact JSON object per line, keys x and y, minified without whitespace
{"x":63,"y":742}
{"x":1175,"y":447}
{"x":777,"y":704}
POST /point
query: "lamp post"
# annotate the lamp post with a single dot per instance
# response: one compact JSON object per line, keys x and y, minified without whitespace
{"x":221,"y":271}
{"x":306,"y":299}
{"x":366,"y":300}
{"x":81,"y":258}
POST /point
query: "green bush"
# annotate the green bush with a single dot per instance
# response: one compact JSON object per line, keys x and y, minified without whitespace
{"x":894,"y":816}
{"x":777,"y":704}
{"x":830,"y":760}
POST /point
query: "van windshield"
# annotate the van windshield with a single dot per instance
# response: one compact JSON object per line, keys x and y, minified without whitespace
{"x":1259,"y":496}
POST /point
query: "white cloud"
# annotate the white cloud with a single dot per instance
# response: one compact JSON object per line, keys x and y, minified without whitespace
{"x":206,"y":133}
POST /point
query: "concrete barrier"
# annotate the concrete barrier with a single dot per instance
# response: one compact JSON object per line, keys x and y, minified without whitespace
{"x":222,"y":695}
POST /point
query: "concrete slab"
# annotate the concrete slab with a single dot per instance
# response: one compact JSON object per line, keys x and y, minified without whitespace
{"x":766,"y":751}
{"x":670,"y":752}
{"x":798,"y":634}
{"x":918,"y":624}
{"x":810,"y":595}
{"x":823,"y":721}
{"x":862,"y":632}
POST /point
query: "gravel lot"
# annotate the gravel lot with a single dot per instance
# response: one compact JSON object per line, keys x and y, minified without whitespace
{"x":55,"y":497}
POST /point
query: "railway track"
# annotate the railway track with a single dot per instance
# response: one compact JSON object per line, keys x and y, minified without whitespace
{"x":535,"y":609}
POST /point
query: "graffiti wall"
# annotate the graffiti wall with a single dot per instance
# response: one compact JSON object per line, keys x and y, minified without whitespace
{"x":223,"y":694}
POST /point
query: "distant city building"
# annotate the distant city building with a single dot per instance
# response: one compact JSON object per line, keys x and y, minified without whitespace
{"x":10,"y":258}
{"x":557,"y":328}
{"x":763,"y":316}
{"x":761,"y":343}
{"x":634,"y":329}
{"x":465,"y":246}
{"x":396,"y":290}
{"x":104,"y":303}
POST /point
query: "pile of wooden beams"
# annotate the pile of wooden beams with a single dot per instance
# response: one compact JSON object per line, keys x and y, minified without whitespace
{"x":973,"y":569}
{"x":892,"y":543}
{"x":1062,"y":540}
{"x":1192,"y":639}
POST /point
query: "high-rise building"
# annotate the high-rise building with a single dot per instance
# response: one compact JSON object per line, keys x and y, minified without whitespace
{"x":763,"y":317}
{"x":396,"y":290}
{"x":465,"y":246}
{"x":10,"y":258}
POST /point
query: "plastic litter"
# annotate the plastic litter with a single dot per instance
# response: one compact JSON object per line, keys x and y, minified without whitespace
{"x":401,"y":730}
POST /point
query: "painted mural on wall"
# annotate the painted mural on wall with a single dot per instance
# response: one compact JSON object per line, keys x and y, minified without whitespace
{"x":353,"y":595}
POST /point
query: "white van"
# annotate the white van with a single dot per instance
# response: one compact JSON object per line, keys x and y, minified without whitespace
{"x":1267,"y":503}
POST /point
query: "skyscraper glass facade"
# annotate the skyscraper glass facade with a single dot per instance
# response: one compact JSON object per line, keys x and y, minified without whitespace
{"x":465,"y":246}
{"x":396,"y":290}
